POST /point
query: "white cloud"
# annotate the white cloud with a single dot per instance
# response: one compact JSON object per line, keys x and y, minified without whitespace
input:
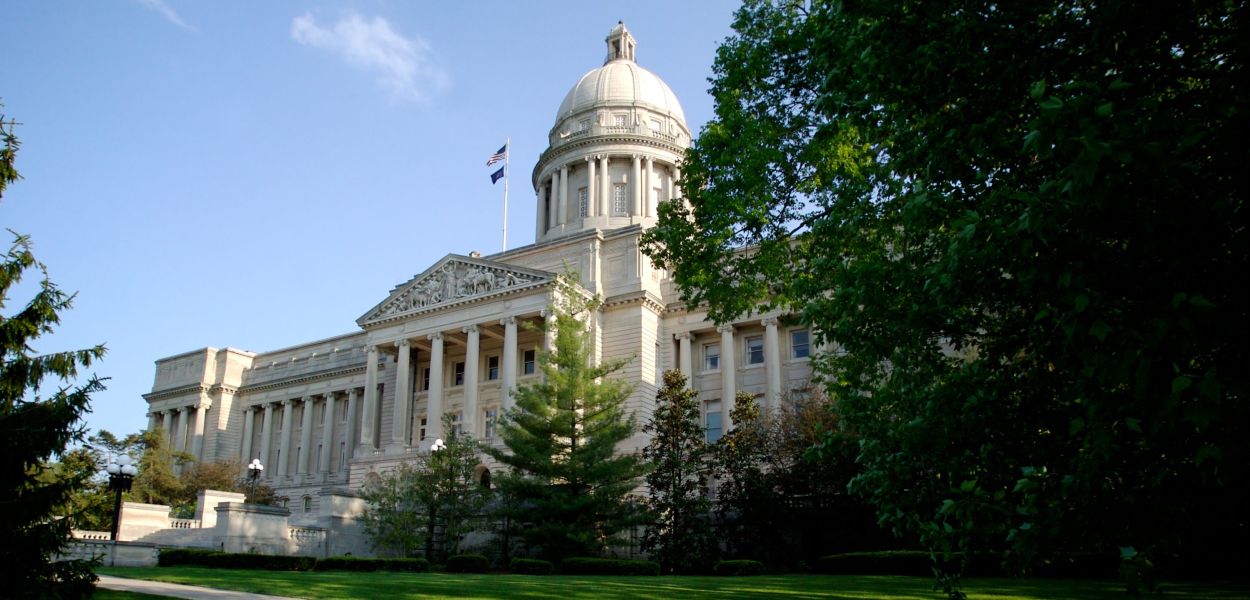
{"x":166,"y":11}
{"x":402,"y":65}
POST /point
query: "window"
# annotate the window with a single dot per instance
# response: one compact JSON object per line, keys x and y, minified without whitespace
{"x":307,"y":504}
{"x":621,"y":120}
{"x":583,"y":202}
{"x":459,"y":374}
{"x":457,"y":423}
{"x":755,"y":350}
{"x":583,"y":125}
{"x":527,"y":364}
{"x":618,"y":199}
{"x":492,"y":368}
{"x":342,"y":455}
{"x":421,"y":430}
{"x":656,"y":125}
{"x":425,"y":379}
{"x":711,"y":357}
{"x":343,"y":411}
{"x":798,"y":344}
{"x":492,"y":415}
{"x":712,"y":421}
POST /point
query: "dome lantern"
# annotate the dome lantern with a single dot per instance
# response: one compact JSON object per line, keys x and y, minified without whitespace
{"x":621,"y":44}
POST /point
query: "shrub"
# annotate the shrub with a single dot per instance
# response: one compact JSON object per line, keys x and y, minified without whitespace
{"x":348,"y":563}
{"x":172,"y":557}
{"x":223,"y":560}
{"x":739,"y":567}
{"x":467,"y":563}
{"x":608,"y":566}
{"x":532,"y":566}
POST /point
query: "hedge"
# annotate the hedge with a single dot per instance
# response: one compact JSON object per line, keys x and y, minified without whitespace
{"x":532,"y":566}
{"x":223,"y":560}
{"x":608,"y":566}
{"x":467,"y":563}
{"x":894,"y":562}
{"x":738,"y":567}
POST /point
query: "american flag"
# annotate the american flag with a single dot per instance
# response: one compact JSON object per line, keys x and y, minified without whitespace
{"x":501,"y":154}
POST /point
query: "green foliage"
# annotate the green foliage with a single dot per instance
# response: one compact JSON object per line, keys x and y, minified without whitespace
{"x":467,"y":563}
{"x":567,"y":485}
{"x":1024,"y":225}
{"x":233,"y":560}
{"x":37,"y":424}
{"x":429,"y":503}
{"x":680,"y":535}
{"x":739,"y":567}
{"x":532,"y":566}
{"x":584,"y":565}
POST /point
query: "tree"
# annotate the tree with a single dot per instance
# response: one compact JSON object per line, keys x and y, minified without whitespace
{"x":429,"y":503}
{"x":680,"y":535}
{"x":1025,"y":226}
{"x":566,"y":478}
{"x":157,"y":483}
{"x":744,"y":494}
{"x":36,"y":424}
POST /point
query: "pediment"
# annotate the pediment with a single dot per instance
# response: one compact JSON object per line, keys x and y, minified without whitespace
{"x":453,"y":280}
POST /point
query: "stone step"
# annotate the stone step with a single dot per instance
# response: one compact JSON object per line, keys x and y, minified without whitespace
{"x":180,"y":538}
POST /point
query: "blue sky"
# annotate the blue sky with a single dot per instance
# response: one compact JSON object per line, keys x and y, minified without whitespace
{"x":259,"y":174}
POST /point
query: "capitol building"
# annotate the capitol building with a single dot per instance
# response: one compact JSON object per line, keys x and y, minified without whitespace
{"x":328,"y":415}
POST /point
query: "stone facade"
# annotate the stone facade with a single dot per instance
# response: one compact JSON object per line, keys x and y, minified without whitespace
{"x":326,"y":415}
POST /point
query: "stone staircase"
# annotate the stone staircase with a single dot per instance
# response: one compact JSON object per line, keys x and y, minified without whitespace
{"x":180,"y":538}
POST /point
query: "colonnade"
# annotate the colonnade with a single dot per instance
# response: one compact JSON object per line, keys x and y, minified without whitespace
{"x":190,"y":420}
{"x":729,"y":368}
{"x":554,"y":199}
{"x":280,"y":465}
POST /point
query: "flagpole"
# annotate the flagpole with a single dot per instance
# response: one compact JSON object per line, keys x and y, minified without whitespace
{"x":507,"y":151}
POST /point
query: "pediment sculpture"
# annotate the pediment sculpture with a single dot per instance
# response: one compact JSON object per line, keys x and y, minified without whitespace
{"x":451,"y":281}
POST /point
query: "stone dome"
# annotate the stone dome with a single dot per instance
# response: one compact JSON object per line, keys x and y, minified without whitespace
{"x":621,"y":82}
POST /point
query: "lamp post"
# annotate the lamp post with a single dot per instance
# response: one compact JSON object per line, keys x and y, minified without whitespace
{"x":254,"y":470}
{"x":429,"y":524}
{"x":121,"y":476}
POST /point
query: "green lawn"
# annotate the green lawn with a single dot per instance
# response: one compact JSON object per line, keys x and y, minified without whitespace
{"x":375,"y":586}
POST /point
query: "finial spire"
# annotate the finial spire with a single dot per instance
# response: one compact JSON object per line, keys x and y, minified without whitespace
{"x":621,"y":44}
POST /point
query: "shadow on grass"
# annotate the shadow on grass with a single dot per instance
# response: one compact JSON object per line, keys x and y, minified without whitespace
{"x":394,"y":586}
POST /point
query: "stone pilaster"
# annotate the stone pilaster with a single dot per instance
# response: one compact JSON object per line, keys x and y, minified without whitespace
{"x":772,"y":363}
{"x":685,"y":361}
{"x":728,"y":371}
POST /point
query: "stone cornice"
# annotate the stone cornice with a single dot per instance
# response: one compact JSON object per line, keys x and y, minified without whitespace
{"x":551,"y":155}
{"x":302,"y":379}
{"x":195,"y":388}
{"x":643,"y":298}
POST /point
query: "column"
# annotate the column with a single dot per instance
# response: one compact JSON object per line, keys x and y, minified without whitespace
{"x":635,"y":181}
{"x":564,"y":194}
{"x":727,"y":372}
{"x":605,"y":187}
{"x":549,"y":330}
{"x":266,"y":436}
{"x":540,"y":218}
{"x":167,"y":424}
{"x":284,"y":444}
{"x":434,"y":400}
{"x":152,"y":420}
{"x":470,"y":380}
{"x":371,"y":400}
{"x":180,"y":440}
{"x":509,"y":361}
{"x":772,"y":364}
{"x":249,"y":416}
{"x":197,"y":433}
{"x":403,"y":396}
{"x":685,"y":362}
{"x":649,"y":203}
{"x":349,"y":433}
{"x":591,"y":184}
{"x":327,"y":437}
{"x":305,"y":436}
{"x":676,"y":183}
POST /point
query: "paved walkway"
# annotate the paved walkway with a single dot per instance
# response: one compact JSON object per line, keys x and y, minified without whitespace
{"x":177,"y":590}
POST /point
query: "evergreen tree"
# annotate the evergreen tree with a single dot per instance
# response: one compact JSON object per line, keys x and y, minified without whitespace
{"x":36,"y":424}
{"x":680,"y":537}
{"x":568,"y":480}
{"x":430,"y":503}
{"x":743,"y":496}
